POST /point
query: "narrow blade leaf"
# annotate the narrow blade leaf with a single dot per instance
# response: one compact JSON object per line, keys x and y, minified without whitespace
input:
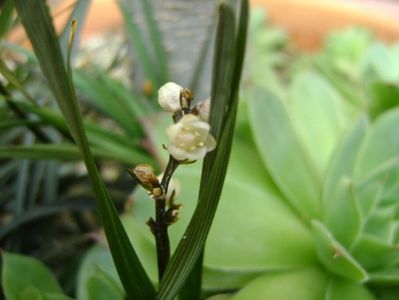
{"x":38,"y":25}
{"x":226,"y":73}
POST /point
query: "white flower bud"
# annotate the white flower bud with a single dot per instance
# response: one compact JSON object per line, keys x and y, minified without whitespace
{"x":174,"y":187}
{"x":203,"y":109}
{"x":190,"y":138}
{"x":169,"y":97}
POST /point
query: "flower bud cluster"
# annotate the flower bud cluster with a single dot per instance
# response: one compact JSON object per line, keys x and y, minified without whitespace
{"x":189,"y":136}
{"x":144,"y":174}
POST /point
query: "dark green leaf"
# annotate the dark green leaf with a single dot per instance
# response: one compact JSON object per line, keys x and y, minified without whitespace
{"x":384,"y":96}
{"x":43,"y":38}
{"x":105,"y":95}
{"x":119,"y":145}
{"x":78,"y":14}
{"x":139,"y":45}
{"x":40,"y":212}
{"x":156,"y":40}
{"x":6,"y":17}
{"x":49,"y":151}
{"x":226,"y":73}
{"x":11,"y":78}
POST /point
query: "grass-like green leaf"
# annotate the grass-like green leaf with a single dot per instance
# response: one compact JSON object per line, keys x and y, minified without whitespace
{"x":226,"y":73}
{"x":156,"y":40}
{"x":50,"y":151}
{"x":119,"y":145}
{"x":109,"y":98}
{"x":38,"y":25}
{"x":16,"y":123}
{"x":78,"y":14}
{"x":6,"y":17}
{"x":41,"y":212}
{"x":138,"y":41}
{"x":201,"y":62}
{"x":8,"y":74}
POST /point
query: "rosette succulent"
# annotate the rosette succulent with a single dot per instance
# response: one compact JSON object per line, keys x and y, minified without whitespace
{"x":309,"y":209}
{"x":310,"y":204}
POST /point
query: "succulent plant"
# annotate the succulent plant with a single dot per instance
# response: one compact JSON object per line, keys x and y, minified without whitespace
{"x":310,"y":204}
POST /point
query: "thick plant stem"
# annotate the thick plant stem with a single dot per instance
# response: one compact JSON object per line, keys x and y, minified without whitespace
{"x":161,"y":220}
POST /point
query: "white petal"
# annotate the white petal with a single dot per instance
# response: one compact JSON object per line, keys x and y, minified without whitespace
{"x":197,"y":154}
{"x":210,"y":143}
{"x":169,"y":97}
{"x":177,"y":153}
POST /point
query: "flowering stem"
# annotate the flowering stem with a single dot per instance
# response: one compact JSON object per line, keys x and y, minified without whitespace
{"x":161,"y":222}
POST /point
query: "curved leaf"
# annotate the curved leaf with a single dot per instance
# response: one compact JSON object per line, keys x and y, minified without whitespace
{"x":339,"y":289}
{"x":318,"y":116}
{"x":45,"y":44}
{"x":49,"y":151}
{"x":374,"y":253}
{"x":381,"y":145}
{"x":283,"y":154}
{"x":99,"y":288}
{"x":334,"y":257}
{"x":228,"y":61}
{"x":20,"y":272}
{"x":338,"y":193}
{"x":306,"y":284}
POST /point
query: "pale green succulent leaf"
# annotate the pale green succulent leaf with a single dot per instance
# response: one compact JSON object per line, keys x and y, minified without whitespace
{"x":339,"y":289}
{"x":381,"y":224}
{"x":97,"y":259}
{"x":304,"y":284}
{"x":256,"y":221}
{"x":282,"y":152}
{"x":99,"y":287}
{"x":344,"y":217}
{"x":334,"y":257}
{"x":379,"y":154}
{"x":385,"y":277}
{"x":318,"y":116}
{"x":375,"y":253}
{"x":263,"y":231}
{"x":343,"y":161}
{"x":338,"y":193}
{"x":380,"y":63}
{"x":215,"y":279}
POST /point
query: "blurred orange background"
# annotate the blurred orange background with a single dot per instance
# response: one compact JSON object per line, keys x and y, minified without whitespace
{"x":306,"y":21}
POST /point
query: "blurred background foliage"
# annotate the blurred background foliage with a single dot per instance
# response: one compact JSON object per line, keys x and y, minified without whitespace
{"x":311,"y":196}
